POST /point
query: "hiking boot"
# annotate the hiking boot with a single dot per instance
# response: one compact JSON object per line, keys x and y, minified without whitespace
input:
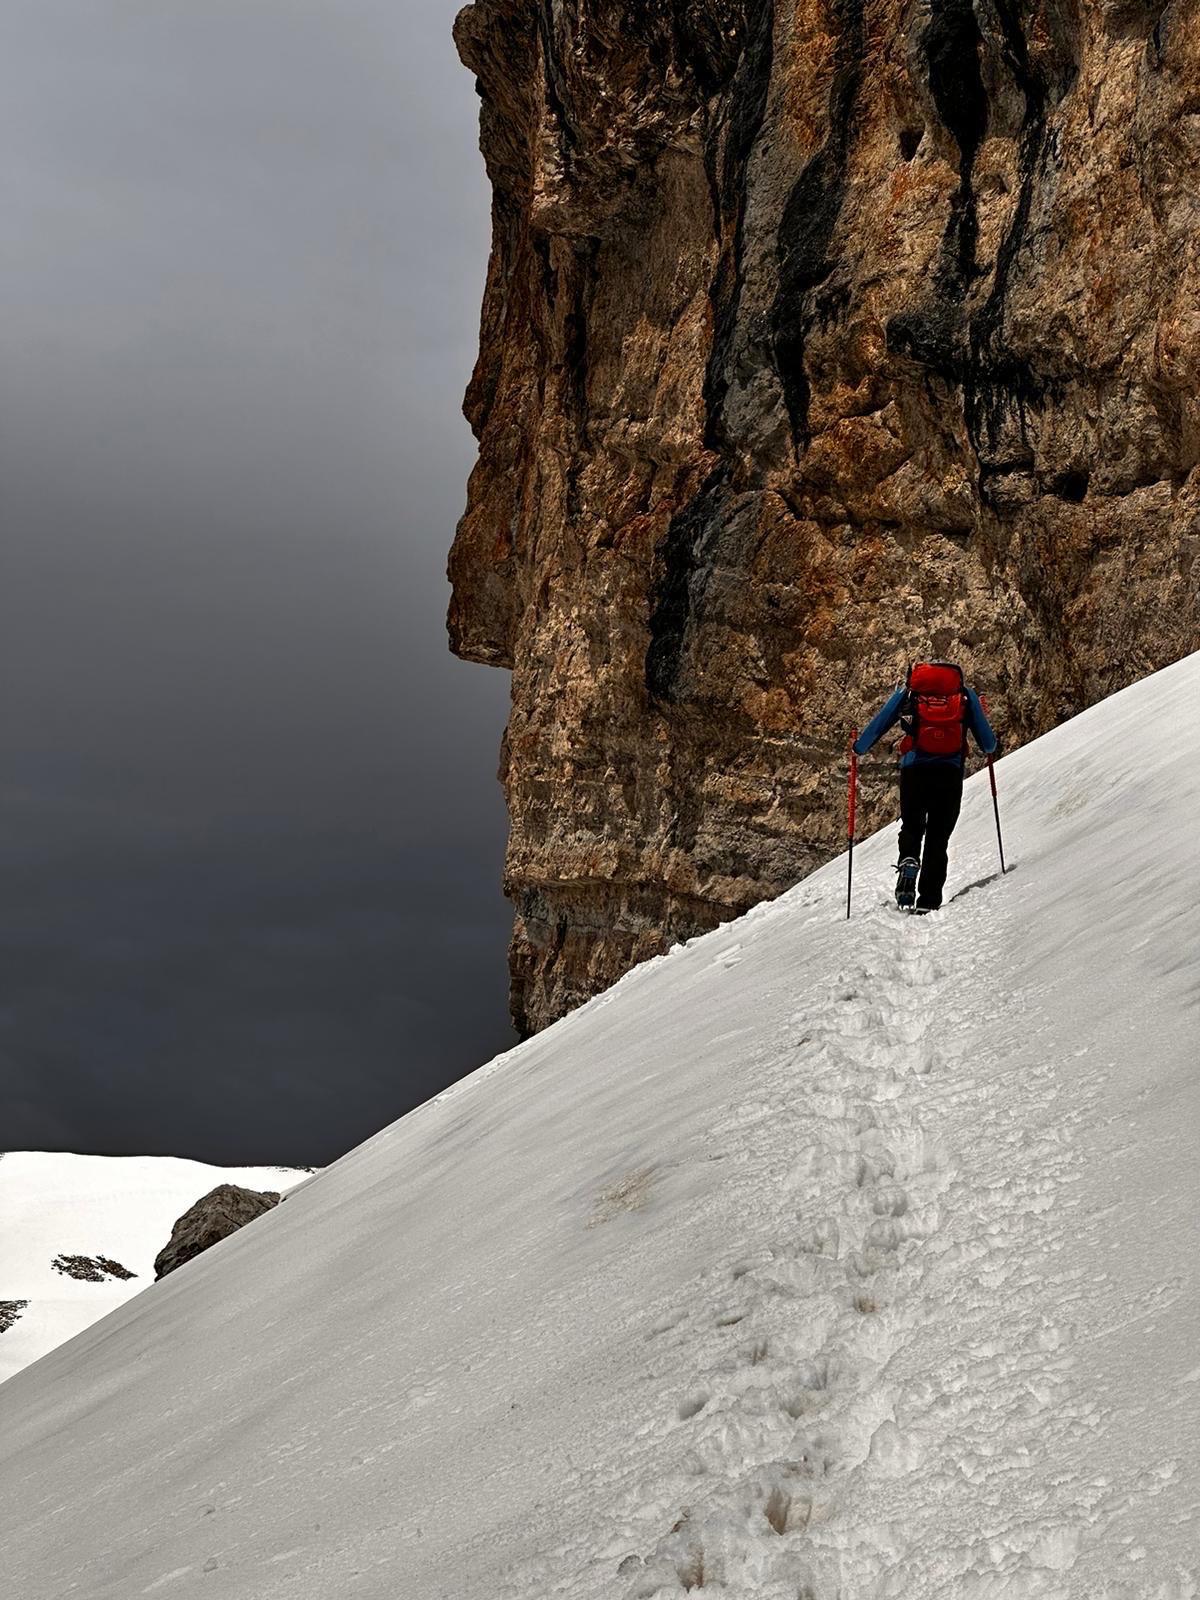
{"x":906,"y":882}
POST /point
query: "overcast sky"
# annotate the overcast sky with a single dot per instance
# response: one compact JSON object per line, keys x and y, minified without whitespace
{"x":250,"y":833}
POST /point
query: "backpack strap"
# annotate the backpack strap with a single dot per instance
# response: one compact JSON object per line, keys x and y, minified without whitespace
{"x":908,"y":710}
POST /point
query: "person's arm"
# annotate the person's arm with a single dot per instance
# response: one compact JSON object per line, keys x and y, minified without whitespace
{"x":982,"y":729}
{"x":886,"y":717}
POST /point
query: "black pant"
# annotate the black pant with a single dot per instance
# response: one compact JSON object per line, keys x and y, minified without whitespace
{"x":930,"y":797}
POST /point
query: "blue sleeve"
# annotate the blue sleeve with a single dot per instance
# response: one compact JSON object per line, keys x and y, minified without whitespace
{"x":985,"y":737}
{"x":886,"y":717}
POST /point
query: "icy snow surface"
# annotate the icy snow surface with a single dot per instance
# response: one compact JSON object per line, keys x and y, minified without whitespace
{"x":119,"y":1207}
{"x":817,"y":1259}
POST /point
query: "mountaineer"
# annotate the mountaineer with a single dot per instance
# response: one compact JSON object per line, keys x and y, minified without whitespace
{"x":937,"y":710}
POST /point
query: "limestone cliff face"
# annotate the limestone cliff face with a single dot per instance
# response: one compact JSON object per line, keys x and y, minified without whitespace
{"x":818,"y":335}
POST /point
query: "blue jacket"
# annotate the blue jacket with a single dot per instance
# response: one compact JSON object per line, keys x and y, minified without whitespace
{"x":889,"y":714}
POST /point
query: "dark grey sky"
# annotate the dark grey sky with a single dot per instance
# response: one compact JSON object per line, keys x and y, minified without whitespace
{"x":250,"y":834}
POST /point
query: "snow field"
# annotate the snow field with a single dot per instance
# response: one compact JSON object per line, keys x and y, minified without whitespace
{"x":815,"y":1260}
{"x":892,"y":1373}
{"x":121,"y":1207}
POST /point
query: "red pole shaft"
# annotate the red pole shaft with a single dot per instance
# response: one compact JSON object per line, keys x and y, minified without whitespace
{"x":850,"y":819}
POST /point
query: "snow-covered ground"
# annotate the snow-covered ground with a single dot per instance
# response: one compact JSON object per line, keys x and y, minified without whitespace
{"x":817,"y":1259}
{"x":112,"y":1211}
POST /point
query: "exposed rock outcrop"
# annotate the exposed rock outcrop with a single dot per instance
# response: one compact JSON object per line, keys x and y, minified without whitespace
{"x":221,"y":1212}
{"x":10,"y":1312}
{"x":816,"y":336}
{"x":91,"y":1269}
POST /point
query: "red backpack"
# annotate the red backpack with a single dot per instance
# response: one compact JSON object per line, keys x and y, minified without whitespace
{"x":935,"y":715}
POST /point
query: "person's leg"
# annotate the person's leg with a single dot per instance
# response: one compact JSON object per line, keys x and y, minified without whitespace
{"x":943,"y":803}
{"x":912,"y":826}
{"x":913,"y":810}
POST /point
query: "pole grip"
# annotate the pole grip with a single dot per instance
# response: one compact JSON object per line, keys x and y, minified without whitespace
{"x":983,"y":703}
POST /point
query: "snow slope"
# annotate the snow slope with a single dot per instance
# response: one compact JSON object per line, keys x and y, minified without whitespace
{"x":816,"y":1259}
{"x":119,"y":1207}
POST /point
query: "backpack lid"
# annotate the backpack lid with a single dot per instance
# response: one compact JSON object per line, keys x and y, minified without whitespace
{"x":936,"y":677}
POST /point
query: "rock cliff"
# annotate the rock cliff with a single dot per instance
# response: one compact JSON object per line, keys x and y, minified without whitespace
{"x":816,"y":336}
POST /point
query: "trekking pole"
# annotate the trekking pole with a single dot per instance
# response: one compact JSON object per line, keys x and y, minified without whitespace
{"x":996,"y":809}
{"x":995,"y":801}
{"x":850,"y":819}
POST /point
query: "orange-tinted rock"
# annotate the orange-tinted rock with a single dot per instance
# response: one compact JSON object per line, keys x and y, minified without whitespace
{"x":816,"y":337}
